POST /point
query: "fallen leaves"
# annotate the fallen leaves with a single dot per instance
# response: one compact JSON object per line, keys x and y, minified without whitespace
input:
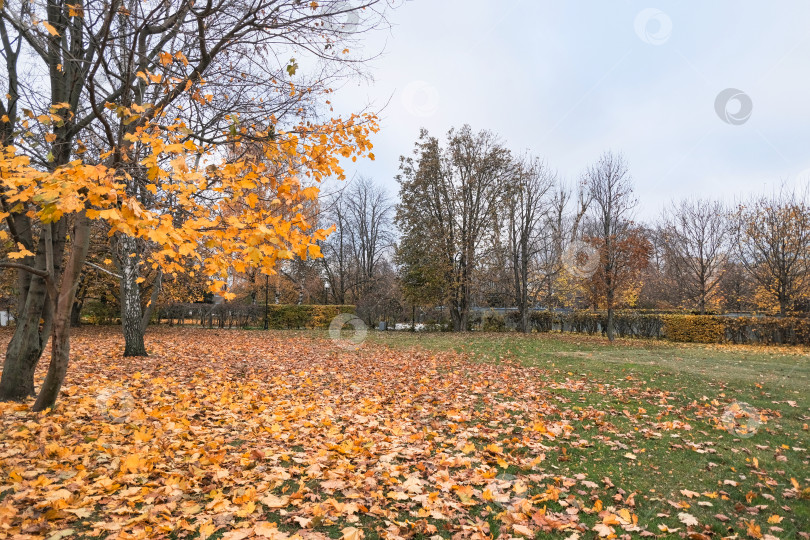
{"x":263,"y":435}
{"x":200,"y":438}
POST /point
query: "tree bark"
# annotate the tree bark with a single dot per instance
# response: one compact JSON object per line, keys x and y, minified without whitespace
{"x":78,"y":303}
{"x":33,"y":326}
{"x":61,"y":307}
{"x":26,"y":345}
{"x":131,"y":313}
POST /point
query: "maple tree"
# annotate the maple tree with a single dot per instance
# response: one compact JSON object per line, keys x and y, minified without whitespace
{"x":631,"y":256}
{"x":135,"y":140}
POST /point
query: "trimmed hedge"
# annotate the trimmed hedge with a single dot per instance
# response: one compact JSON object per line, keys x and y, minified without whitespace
{"x":286,"y":316}
{"x":768,"y":330}
{"x":686,"y":328}
{"x":750,"y":330}
{"x":673,"y":327}
{"x":541,"y":321}
{"x":694,"y":328}
{"x":229,"y":315}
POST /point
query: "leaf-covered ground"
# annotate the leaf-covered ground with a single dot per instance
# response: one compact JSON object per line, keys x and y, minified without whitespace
{"x":231,"y":434}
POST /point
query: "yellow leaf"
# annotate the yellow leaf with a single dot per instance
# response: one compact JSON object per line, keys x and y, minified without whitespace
{"x":21,"y":253}
{"x":268,"y":530}
{"x":352,"y":533}
{"x":51,"y":30}
{"x":523,"y":530}
{"x":131,"y":464}
{"x":207,"y":530}
{"x":271,"y":501}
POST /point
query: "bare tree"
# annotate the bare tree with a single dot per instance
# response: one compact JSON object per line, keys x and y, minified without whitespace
{"x":611,"y":191}
{"x":772,"y":236}
{"x":526,"y":204}
{"x":370,"y":226}
{"x":336,"y":259}
{"x":357,"y":252}
{"x":695,"y":235}
{"x":562,"y":227}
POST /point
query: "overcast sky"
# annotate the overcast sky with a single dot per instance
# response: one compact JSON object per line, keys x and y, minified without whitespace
{"x":570,"y":80}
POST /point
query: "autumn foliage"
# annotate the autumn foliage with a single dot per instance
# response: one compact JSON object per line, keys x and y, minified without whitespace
{"x":241,"y":435}
{"x":229,"y":233}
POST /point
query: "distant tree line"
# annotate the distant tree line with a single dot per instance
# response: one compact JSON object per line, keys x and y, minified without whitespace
{"x":478,"y":226}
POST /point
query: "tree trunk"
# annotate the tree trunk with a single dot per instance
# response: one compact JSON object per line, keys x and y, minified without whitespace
{"x":524,"y":321}
{"x":78,"y":303}
{"x":60,"y":355}
{"x":76,"y":315}
{"x":524,"y":292}
{"x":61,"y":308}
{"x":455,"y":316}
{"x":30,"y":334}
{"x":131,"y":315}
{"x":152,"y":305}
{"x":23,"y":353}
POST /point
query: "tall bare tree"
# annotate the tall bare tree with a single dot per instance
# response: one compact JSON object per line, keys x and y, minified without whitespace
{"x":527,"y":205}
{"x":562,"y":226}
{"x":370,"y":215}
{"x":695,"y":236}
{"x":358,"y":255}
{"x":610,"y":189}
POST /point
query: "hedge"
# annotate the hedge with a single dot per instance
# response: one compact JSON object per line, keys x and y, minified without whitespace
{"x":768,"y":330}
{"x":686,"y":328}
{"x":751,"y":330}
{"x":694,"y":328}
{"x":229,"y":315}
{"x":673,"y":327}
{"x":286,"y":316}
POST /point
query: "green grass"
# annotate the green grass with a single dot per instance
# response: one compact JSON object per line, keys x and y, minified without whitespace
{"x":640,"y":384}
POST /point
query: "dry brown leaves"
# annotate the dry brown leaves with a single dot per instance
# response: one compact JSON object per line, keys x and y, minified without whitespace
{"x":257,"y":435}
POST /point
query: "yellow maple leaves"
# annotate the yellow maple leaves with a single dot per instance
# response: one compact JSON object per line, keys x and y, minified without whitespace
{"x":249,"y":210}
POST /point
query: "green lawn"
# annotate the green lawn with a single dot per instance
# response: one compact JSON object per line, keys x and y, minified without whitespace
{"x":663,"y":403}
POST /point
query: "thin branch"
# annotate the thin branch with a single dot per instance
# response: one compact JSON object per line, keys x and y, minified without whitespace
{"x":25,"y":268}
{"x":97,"y":267}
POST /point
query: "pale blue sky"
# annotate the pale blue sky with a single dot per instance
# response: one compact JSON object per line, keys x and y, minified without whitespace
{"x":569,"y":80}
